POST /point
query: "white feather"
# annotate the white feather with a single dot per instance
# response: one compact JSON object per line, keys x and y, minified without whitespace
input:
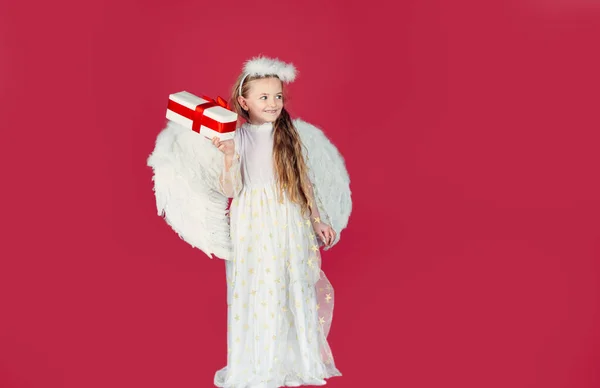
{"x":262,"y":66}
{"x":329,"y":176}
{"x":186,"y":169}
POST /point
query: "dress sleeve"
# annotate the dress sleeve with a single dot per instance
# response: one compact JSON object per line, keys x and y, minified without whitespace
{"x":315,"y":203}
{"x":230,"y":181}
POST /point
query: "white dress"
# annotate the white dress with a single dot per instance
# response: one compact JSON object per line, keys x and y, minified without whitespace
{"x":279,"y":301}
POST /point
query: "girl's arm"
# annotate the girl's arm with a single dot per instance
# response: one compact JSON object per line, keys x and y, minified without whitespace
{"x":314,"y":215}
{"x":230,"y":180}
{"x":324,"y":231}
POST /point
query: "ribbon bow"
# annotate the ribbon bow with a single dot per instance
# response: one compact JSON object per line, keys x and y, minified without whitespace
{"x":219,"y":101}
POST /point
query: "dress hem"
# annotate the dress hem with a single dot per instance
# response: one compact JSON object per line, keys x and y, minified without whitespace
{"x":288,"y":381}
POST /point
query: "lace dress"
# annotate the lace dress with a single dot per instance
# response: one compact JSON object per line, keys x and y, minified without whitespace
{"x":279,"y":301}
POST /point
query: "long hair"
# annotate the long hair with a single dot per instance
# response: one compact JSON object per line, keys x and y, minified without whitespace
{"x":290,"y":167}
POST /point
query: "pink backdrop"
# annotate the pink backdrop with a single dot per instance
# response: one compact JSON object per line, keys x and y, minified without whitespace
{"x":469,"y":128}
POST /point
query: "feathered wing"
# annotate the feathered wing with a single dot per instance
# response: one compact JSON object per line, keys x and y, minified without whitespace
{"x":186,"y":168}
{"x":328,"y":174}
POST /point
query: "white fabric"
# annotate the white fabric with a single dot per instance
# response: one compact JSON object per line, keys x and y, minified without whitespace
{"x":280,"y":303}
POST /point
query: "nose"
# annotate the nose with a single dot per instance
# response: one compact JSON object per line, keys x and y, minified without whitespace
{"x":273,"y":102}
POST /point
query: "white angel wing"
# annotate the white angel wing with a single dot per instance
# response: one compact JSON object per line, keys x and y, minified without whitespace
{"x":329,"y":176}
{"x":186,"y":169}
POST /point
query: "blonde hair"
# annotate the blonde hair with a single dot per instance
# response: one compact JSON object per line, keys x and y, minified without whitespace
{"x":290,"y":167}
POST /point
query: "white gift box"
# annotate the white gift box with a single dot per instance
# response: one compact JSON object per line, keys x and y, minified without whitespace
{"x":203,"y":115}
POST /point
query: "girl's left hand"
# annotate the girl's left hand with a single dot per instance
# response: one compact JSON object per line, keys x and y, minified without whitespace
{"x":324,"y":232}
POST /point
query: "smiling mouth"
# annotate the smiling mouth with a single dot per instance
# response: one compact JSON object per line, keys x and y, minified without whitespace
{"x":272,"y":111}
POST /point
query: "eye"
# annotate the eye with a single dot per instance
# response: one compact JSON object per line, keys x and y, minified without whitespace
{"x":279,"y":96}
{"x":263,"y":97}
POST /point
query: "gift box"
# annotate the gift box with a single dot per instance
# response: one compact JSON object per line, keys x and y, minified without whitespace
{"x":202,"y":114}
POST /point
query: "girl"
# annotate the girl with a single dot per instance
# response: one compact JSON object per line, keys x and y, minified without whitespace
{"x":290,"y":191}
{"x":274,"y":334}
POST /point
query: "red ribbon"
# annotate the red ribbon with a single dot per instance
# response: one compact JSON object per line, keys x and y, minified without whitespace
{"x":198,"y":118}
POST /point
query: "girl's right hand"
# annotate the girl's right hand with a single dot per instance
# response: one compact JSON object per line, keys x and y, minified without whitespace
{"x":226,"y":146}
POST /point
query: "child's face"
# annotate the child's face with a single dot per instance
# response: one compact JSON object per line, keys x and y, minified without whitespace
{"x":265,"y":100}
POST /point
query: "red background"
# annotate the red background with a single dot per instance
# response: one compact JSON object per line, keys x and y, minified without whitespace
{"x":469,"y":127}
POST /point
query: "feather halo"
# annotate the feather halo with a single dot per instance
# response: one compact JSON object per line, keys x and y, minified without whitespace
{"x":262,"y":66}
